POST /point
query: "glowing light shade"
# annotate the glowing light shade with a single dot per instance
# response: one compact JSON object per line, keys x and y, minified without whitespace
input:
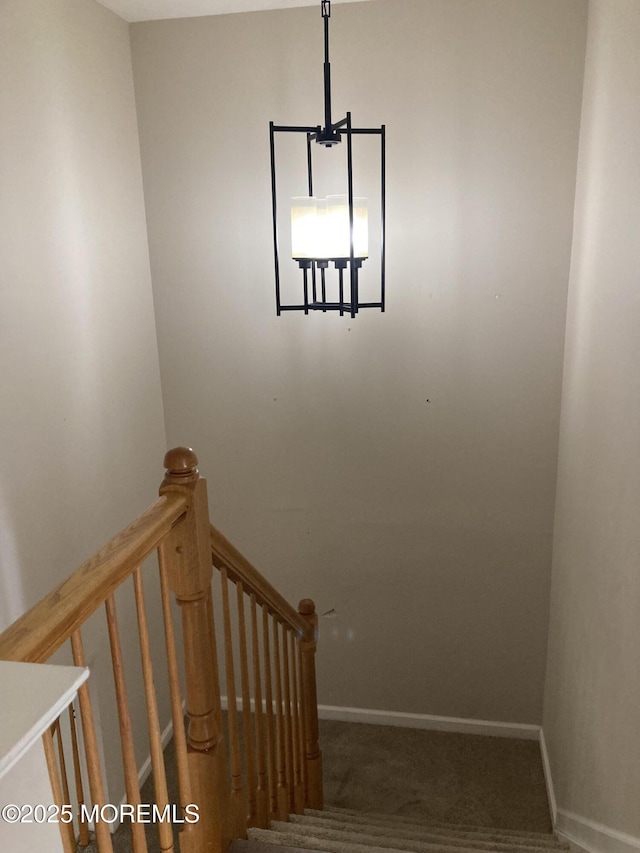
{"x":338,"y":228}
{"x":321,"y":229}
{"x":304,"y":227}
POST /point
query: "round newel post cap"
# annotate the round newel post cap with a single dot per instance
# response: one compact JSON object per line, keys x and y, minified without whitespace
{"x":181,"y":462}
{"x":306,"y":607}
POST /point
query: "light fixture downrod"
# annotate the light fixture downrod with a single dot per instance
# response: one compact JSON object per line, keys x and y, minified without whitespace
{"x":328,"y":136}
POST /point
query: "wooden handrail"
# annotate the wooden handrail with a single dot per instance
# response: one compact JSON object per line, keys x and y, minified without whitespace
{"x":188,"y":547}
{"x":42,"y":630}
{"x":226,"y":556}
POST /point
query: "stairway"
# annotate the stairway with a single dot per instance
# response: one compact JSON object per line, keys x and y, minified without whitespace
{"x":345,"y":831}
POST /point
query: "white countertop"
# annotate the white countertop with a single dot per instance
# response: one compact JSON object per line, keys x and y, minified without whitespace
{"x":32,"y":696}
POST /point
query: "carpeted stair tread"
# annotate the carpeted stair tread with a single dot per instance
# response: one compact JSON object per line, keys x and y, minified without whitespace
{"x":246,"y":845}
{"x":432,"y":825}
{"x":311,"y":842}
{"x":426,"y":823}
{"x":456,"y":838}
{"x":380,"y":837}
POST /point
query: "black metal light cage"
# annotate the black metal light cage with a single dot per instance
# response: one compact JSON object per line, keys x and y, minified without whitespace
{"x":315,"y":285}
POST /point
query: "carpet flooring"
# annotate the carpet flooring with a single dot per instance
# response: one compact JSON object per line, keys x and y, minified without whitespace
{"x":416,"y":777}
{"x":456,"y":778}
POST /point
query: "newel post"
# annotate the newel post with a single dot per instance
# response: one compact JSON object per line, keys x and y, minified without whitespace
{"x":186,"y":553}
{"x":312,"y":754}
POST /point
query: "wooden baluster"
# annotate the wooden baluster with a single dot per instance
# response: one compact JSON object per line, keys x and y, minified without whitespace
{"x":129,"y":762}
{"x":250,"y":763}
{"x":83,"y":826}
{"x":288,"y":727}
{"x":165,"y":830}
{"x":303,"y":766}
{"x":179,"y":734}
{"x":187,"y":555}
{"x":214,"y":657}
{"x":298,"y":786}
{"x":64,"y":779}
{"x":271,"y":732}
{"x":308,"y":694}
{"x":66,"y":829}
{"x":96,"y":786}
{"x":262,"y":792}
{"x":237,"y":801}
{"x":283,"y":791}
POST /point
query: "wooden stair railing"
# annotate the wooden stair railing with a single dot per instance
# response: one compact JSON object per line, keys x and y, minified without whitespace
{"x":275,"y":765}
{"x":277,"y":770}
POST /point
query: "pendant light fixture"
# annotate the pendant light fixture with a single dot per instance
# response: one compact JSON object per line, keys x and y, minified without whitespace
{"x":330,"y":235}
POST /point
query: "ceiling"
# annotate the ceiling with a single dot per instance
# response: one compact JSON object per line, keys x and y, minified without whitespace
{"x":151,"y":10}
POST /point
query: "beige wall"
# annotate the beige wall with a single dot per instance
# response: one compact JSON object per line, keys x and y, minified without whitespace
{"x":81,"y":424}
{"x":399,"y":468}
{"x":593,"y":683}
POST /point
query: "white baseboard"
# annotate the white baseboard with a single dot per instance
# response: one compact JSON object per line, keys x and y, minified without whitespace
{"x":429,"y":722}
{"x":587,"y":836}
{"x":583,"y":835}
{"x":546,"y":765}
{"x":224,"y":704}
{"x":418,"y":721}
